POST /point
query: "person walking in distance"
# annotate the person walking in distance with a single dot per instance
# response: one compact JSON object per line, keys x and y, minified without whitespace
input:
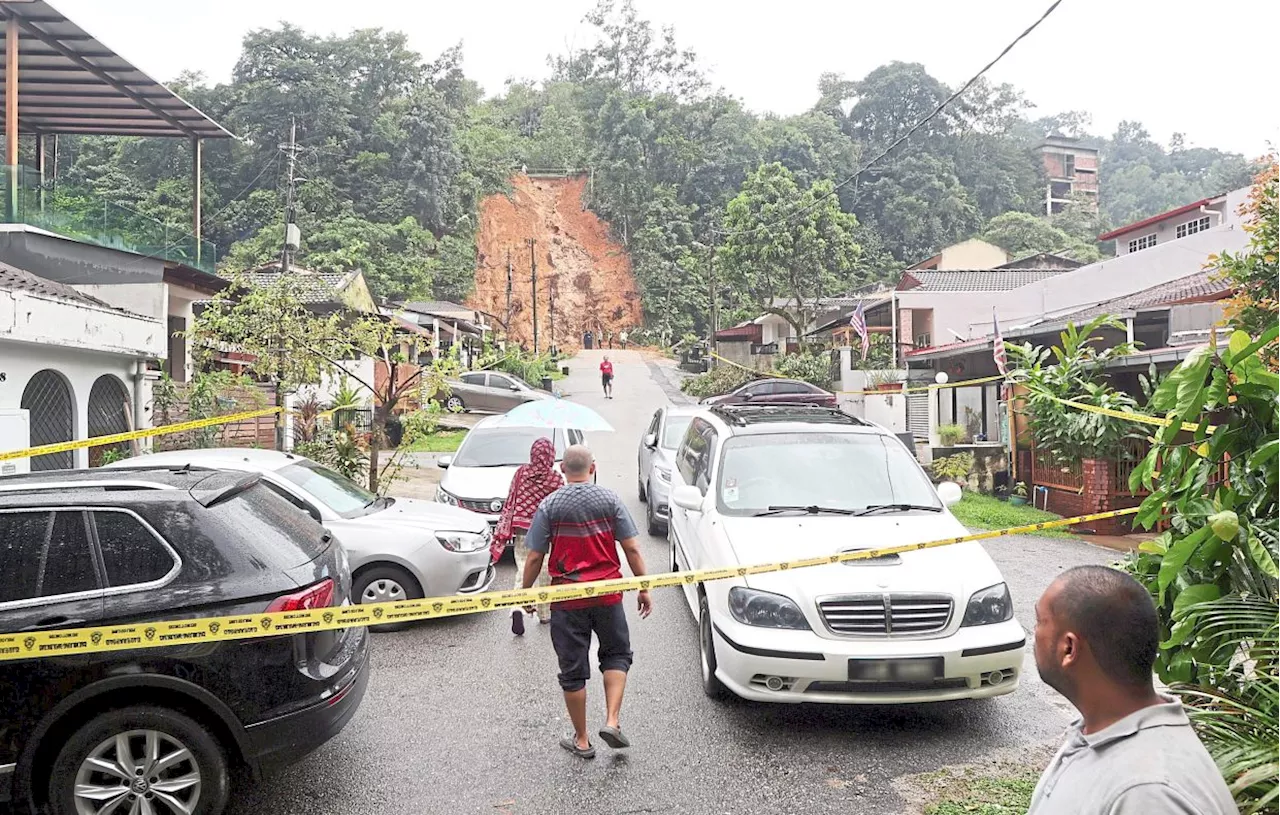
{"x":579,"y":529}
{"x":1132,"y":751}
{"x":623,"y":338}
{"x":532,"y":482}
{"x":606,"y":377}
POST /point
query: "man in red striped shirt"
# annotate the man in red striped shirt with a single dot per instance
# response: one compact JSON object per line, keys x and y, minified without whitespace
{"x":580,"y":528}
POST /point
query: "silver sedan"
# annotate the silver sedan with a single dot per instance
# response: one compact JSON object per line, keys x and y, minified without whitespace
{"x":656,"y":458}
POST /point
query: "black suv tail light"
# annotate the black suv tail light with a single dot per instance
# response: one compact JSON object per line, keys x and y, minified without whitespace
{"x":317,"y":595}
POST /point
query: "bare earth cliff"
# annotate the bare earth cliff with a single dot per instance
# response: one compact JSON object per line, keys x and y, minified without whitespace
{"x":579,"y":264}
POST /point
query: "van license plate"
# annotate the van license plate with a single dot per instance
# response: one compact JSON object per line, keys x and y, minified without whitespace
{"x":895,"y":670}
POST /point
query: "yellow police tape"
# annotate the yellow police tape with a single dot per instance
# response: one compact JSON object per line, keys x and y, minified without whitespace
{"x":37,"y":644}
{"x":116,"y":438}
{"x":1134,"y":417}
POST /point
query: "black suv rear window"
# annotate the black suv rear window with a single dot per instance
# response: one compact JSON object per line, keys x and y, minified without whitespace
{"x":282,"y":531}
{"x":44,"y":554}
{"x":130,"y":552}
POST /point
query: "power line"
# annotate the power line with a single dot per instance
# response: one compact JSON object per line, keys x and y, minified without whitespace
{"x":933,"y":115}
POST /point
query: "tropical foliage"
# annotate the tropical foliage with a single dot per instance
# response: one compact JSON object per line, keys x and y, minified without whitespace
{"x":397,"y":150}
{"x":1213,"y":475}
{"x":1074,"y":370}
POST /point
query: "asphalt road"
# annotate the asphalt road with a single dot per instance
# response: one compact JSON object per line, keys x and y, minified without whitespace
{"x":461,"y":717}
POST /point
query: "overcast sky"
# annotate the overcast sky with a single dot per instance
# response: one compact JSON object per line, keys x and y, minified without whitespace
{"x":1186,"y":69}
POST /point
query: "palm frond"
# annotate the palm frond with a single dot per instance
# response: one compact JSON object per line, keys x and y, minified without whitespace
{"x":1242,"y":734}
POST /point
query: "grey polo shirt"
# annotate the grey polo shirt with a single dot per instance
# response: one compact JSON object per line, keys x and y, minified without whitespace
{"x":1148,"y":762}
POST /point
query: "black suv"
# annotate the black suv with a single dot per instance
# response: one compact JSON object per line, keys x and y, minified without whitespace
{"x":163,"y":730}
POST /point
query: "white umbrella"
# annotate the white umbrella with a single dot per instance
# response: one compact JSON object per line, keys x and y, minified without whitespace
{"x":554,"y":413}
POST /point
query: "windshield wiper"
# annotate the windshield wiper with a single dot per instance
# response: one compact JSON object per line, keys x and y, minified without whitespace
{"x":871,"y":510}
{"x":812,"y":510}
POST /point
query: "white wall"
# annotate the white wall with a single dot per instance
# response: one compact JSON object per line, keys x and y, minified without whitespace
{"x":969,"y":313}
{"x":20,"y":361}
{"x":331,"y":381}
{"x":27,"y":317}
{"x":147,"y":299}
{"x":888,"y":410}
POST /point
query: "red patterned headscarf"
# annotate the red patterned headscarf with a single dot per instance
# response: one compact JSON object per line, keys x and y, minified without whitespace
{"x":533,"y":482}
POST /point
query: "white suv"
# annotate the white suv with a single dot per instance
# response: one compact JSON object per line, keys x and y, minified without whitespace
{"x":757,"y":484}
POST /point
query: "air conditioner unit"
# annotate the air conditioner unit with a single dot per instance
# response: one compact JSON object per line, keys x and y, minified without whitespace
{"x":15,"y":434}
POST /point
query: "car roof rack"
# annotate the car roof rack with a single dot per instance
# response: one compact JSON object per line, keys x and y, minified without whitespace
{"x":743,"y":415}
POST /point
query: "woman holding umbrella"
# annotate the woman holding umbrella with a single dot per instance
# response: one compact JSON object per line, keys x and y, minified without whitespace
{"x":532,"y":482}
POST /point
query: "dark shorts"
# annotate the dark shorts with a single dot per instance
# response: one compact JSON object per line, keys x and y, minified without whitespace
{"x":571,"y":636}
{"x":605,"y":379}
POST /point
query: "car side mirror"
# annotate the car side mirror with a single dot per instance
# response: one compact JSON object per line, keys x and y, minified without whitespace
{"x":651,"y":440}
{"x":747,"y":395}
{"x":950,"y":493}
{"x":515,"y":387}
{"x":687,"y":498}
{"x":444,"y":461}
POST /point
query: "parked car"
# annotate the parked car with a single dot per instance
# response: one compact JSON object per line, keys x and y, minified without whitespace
{"x":478,"y":477}
{"x":656,"y":460}
{"x":399,"y":548}
{"x":164,"y":730}
{"x":775,"y":391}
{"x":490,"y":391}
{"x":762,"y":484}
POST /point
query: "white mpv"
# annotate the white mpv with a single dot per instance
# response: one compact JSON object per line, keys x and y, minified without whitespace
{"x":758,"y":484}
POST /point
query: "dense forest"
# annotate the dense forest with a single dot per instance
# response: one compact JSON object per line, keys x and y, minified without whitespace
{"x":398,"y":150}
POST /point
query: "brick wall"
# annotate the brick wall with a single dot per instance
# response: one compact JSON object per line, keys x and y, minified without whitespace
{"x":1098,"y":495}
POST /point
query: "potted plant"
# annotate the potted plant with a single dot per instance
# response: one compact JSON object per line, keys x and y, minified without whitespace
{"x":955,"y":468}
{"x":1019,"y":496}
{"x":884,"y":381}
{"x":952,"y":434}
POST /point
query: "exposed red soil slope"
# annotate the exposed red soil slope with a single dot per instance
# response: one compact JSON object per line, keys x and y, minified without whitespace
{"x":578,"y":260}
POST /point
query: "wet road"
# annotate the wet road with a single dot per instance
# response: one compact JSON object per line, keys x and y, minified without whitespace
{"x":461,"y":717}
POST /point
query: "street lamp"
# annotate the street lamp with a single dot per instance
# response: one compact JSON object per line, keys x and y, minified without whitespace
{"x":941,"y":377}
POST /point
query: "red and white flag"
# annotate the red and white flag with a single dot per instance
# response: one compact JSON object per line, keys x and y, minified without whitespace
{"x":997,"y":351}
{"x":859,"y":324}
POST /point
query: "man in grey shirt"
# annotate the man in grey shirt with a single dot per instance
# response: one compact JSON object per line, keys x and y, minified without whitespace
{"x":1133,"y":751}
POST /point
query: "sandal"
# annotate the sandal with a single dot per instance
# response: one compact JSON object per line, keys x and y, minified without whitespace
{"x":570,"y":744}
{"x":613,"y":737}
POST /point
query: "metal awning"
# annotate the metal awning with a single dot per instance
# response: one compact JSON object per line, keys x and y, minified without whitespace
{"x":69,"y":82}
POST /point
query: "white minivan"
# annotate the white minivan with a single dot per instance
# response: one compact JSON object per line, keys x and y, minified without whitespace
{"x":758,"y":484}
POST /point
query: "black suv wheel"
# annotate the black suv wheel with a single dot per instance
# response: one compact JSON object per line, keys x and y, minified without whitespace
{"x":123,"y":758}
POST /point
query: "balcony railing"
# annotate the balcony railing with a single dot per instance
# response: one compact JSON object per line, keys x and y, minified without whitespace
{"x":83,"y":215}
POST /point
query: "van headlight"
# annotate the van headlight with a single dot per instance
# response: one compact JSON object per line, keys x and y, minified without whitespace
{"x":462,"y":541}
{"x":760,"y":608}
{"x":989,"y":606}
{"x":664,"y":475}
{"x":445,"y":498}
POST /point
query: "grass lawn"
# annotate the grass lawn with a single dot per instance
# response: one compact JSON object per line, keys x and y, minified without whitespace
{"x":984,"y":512}
{"x":985,"y":796}
{"x":441,"y":441}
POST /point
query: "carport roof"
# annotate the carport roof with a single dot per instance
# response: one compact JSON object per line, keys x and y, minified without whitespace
{"x":69,"y":82}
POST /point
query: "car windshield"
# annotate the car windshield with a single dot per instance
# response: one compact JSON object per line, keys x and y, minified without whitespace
{"x":835,"y":470}
{"x":520,"y":381}
{"x":673,"y":431}
{"x":503,"y":446}
{"x":336,"y":491}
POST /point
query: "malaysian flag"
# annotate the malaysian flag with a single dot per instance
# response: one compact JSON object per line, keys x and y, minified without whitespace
{"x":997,"y":351}
{"x":859,"y":323}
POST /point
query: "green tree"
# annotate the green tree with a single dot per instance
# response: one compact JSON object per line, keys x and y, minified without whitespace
{"x":1021,"y":234}
{"x":788,"y":247}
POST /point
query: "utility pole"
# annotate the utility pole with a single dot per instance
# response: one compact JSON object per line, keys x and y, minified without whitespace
{"x":290,"y":239}
{"x":290,"y":227}
{"x":551,"y":296}
{"x":509,"y":294}
{"x":533,"y":267}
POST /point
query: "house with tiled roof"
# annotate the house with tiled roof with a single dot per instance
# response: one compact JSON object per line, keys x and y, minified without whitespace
{"x":72,"y":365}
